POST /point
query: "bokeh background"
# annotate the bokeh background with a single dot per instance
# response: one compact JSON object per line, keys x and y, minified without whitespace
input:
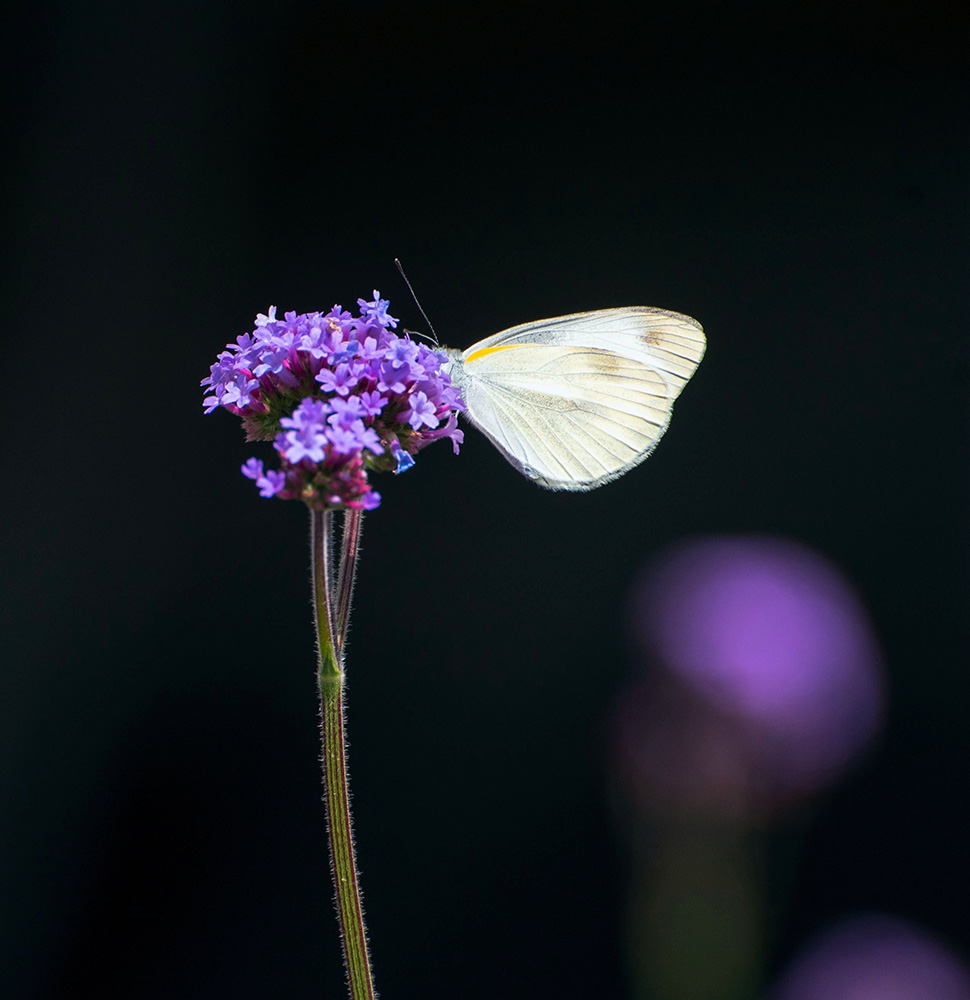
{"x":549,"y":803}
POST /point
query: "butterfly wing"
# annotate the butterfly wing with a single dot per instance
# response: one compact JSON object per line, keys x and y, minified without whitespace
{"x":670,"y":342}
{"x":568,"y":417}
{"x":575,"y":401}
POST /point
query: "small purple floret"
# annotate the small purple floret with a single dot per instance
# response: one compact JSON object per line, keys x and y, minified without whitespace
{"x":404,"y":460}
{"x":272,"y":483}
{"x":420,"y":412}
{"x":376,"y":311}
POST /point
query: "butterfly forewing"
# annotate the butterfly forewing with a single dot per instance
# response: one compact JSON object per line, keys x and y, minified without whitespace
{"x":668,"y":341}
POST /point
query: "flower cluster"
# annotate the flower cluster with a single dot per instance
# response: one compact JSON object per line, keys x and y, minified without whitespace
{"x":338,"y":395}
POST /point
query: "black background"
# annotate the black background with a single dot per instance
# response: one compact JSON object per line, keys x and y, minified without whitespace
{"x":794,"y":176}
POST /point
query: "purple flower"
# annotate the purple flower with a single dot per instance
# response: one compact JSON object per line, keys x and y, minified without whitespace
{"x":367,"y":437}
{"x":420,"y":412}
{"x":307,"y":436}
{"x":404,"y":460}
{"x":310,"y":411}
{"x":376,"y":311}
{"x":269,"y":483}
{"x":401,"y":352}
{"x":391,"y":379}
{"x":370,"y":350}
{"x":771,"y":650}
{"x":346,"y":411}
{"x":272,"y":483}
{"x":268,"y":319}
{"x":872,"y":956}
{"x":339,"y":317}
{"x":355,"y":437}
{"x":426,"y":364}
{"x":237,"y":391}
{"x":316,"y":342}
{"x":272,"y":361}
{"x":373,"y":403}
{"x":343,"y":439}
{"x":450,"y":430}
{"x":340,"y":380}
{"x":339,"y":396}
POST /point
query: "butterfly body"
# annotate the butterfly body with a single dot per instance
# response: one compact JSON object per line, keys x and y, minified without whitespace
{"x":576,"y":401}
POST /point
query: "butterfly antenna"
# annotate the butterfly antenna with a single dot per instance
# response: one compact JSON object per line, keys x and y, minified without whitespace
{"x":434,"y":337}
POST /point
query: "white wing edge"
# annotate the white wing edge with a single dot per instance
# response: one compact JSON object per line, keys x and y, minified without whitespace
{"x":549,"y":328}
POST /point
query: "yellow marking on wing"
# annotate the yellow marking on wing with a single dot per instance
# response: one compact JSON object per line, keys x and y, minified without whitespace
{"x":492,"y":350}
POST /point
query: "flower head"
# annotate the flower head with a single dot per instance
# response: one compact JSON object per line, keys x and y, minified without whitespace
{"x":338,"y":395}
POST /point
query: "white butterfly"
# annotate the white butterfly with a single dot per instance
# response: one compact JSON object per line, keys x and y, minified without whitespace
{"x":576,"y":401}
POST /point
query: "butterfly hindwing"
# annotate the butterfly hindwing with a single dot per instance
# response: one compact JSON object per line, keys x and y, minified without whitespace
{"x":569,"y":418}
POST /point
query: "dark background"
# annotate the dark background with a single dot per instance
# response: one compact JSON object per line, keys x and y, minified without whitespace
{"x":795,"y":176}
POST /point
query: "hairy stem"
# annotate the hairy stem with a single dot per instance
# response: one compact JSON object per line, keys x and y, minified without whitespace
{"x":349,"y":551}
{"x":331,"y":621}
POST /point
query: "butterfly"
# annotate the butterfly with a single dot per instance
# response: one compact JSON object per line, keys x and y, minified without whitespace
{"x":576,"y":401}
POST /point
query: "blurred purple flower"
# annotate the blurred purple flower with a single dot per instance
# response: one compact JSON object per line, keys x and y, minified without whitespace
{"x":778,"y":669}
{"x":874,"y":957}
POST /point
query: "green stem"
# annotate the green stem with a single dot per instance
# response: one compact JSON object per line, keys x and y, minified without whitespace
{"x":349,"y":550}
{"x":330,"y":619}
